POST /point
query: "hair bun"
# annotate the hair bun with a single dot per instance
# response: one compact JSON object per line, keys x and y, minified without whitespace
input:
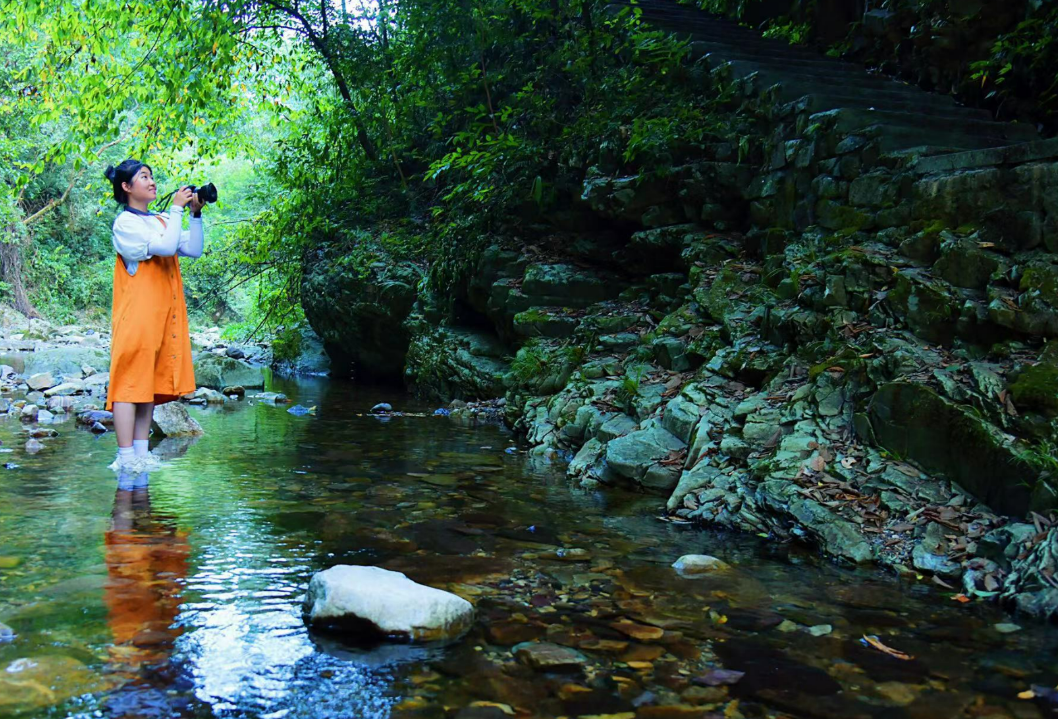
{"x":110,"y":172}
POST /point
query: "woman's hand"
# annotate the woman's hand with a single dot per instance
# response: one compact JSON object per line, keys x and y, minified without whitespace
{"x":196,"y":204}
{"x":182,"y":196}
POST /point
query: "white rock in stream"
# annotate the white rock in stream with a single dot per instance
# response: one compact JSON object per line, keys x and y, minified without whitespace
{"x":172,"y":420}
{"x":692,"y":565}
{"x":376,"y":601}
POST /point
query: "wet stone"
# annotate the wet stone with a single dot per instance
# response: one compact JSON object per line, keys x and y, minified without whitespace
{"x":481,"y":712}
{"x":511,"y":633}
{"x":671,"y":711}
{"x":547,"y":657}
{"x":691,"y":565}
{"x":641,"y":632}
{"x":594,"y":702}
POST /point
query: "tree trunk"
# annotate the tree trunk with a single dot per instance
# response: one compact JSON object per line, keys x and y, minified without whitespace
{"x":11,"y":273}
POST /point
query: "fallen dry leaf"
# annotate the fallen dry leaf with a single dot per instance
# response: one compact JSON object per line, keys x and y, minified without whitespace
{"x":877,"y":644}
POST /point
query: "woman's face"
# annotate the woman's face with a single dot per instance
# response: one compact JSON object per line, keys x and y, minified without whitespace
{"x":142,"y":187}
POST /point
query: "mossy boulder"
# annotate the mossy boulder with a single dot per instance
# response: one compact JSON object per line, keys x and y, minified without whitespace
{"x":914,"y":422}
{"x":359,"y":310}
{"x":445,"y":363}
{"x":836,"y":216}
{"x":65,"y":361}
{"x":537,"y":323}
{"x":217,"y":371}
{"x":927,"y":305}
{"x":637,"y":456}
{"x":660,"y":249}
{"x":564,"y":285}
{"x":1037,"y":388}
{"x":963,"y":264}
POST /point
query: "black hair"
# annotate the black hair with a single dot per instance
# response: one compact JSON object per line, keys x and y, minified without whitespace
{"x":123,"y":173}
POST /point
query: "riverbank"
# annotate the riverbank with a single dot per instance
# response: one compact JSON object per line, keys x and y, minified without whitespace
{"x":54,"y":379}
{"x":827,"y":341}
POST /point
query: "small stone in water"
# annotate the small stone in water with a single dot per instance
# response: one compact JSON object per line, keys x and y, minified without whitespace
{"x":690,"y":565}
{"x":638,"y":631}
{"x":6,"y":633}
{"x":545,"y":656}
{"x":299,"y":410}
{"x":574,"y":554}
{"x":9,"y":562}
{"x":719,"y":677}
{"x":787,"y":626}
{"x":1005,"y":628}
{"x":34,"y":445}
{"x":99,"y":427}
{"x":820,"y":630}
{"x":381,"y":408}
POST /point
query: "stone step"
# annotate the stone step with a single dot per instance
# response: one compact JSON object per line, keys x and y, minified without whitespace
{"x":743,"y":68}
{"x":991,"y":157}
{"x":906,"y":116}
{"x":851,"y":120}
{"x":830,"y":97}
{"x":1020,"y":133}
{"x":892,"y":95}
{"x":900,"y":137}
{"x":879,"y":88}
{"x":834,"y":98}
{"x":734,"y":51}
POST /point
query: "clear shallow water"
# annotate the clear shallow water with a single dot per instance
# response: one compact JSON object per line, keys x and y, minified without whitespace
{"x":184,"y":598}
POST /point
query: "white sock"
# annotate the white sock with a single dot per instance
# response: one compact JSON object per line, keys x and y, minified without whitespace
{"x":125,"y":453}
{"x":140,"y":446}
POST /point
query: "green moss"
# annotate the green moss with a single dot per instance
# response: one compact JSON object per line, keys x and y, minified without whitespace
{"x":1041,"y":279}
{"x":847,"y":359}
{"x":1037,"y":388}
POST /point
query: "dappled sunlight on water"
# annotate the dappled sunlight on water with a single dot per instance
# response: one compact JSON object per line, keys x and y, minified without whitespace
{"x":183,"y":598}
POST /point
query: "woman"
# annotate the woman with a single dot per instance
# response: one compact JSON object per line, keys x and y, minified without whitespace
{"x":150,"y":353}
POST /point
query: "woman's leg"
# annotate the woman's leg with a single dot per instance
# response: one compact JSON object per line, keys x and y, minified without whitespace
{"x":124,"y":422}
{"x":144,"y":415}
{"x":142,"y":427}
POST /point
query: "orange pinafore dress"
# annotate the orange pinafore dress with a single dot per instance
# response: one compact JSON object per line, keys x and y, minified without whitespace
{"x":150,"y":350}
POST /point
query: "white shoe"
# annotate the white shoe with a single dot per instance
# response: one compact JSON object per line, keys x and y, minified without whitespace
{"x":135,"y":465}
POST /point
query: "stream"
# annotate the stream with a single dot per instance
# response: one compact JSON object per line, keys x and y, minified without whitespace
{"x":183,"y":598}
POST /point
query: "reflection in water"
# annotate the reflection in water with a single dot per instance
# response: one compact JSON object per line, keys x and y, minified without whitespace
{"x":146,"y":559}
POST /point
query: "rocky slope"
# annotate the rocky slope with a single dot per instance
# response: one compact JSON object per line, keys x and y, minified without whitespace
{"x":835,"y":334}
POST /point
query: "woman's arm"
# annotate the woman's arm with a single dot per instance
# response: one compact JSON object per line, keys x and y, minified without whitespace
{"x":170,"y":242}
{"x":131,"y":237}
{"x":191,"y":241}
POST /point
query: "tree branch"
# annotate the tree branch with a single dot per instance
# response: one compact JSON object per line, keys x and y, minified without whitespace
{"x":61,"y":199}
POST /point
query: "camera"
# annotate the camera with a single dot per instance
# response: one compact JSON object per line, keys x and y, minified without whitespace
{"x":206,"y":193}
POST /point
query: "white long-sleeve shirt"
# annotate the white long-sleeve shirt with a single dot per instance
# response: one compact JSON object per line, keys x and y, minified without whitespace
{"x":139,"y":237}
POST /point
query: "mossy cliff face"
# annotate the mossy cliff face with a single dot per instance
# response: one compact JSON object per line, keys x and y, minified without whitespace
{"x":855,"y":353}
{"x":358,"y":308}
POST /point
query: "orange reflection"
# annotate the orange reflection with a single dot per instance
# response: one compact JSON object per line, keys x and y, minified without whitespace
{"x":146,"y":558}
